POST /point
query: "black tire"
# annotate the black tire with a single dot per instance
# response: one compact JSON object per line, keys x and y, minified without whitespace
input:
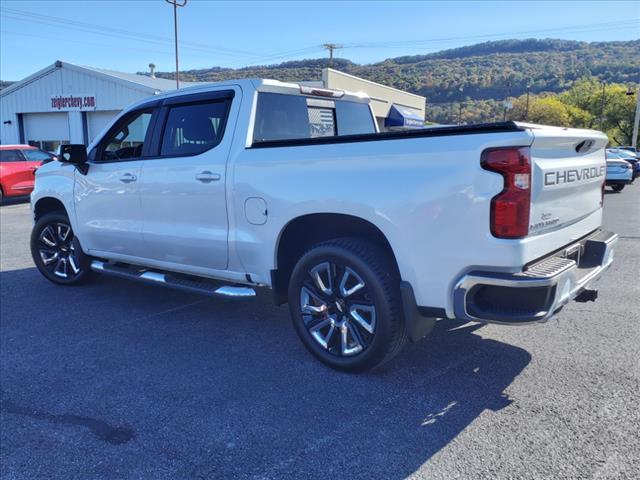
{"x":380,"y":332}
{"x":56,"y":251}
{"x":617,"y":188}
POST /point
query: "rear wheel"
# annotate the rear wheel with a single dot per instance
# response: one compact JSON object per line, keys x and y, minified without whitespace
{"x":617,"y":188}
{"x":56,"y":251}
{"x":345,"y":304}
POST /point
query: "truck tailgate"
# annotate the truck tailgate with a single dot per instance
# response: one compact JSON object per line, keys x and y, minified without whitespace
{"x":568,"y":171}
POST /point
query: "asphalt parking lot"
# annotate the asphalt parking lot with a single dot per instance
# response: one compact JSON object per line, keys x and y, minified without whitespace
{"x":120,"y":380}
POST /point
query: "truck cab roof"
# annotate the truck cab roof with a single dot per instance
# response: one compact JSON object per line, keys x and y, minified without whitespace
{"x":269,"y":85}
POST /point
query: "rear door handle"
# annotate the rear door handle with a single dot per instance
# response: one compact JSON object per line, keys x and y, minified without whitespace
{"x":128,"y":178}
{"x":207,"y":177}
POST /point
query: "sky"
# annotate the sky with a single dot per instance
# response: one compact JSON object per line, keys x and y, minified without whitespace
{"x":128,"y":35}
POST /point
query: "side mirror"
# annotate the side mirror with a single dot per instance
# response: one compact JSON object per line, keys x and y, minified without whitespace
{"x":74,"y":154}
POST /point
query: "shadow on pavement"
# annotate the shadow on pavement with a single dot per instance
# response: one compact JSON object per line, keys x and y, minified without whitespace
{"x":215,"y":388}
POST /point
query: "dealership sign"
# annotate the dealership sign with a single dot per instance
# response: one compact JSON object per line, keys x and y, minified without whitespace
{"x":73,"y":102}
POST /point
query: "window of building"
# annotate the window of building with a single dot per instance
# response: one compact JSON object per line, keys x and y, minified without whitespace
{"x":288,"y":117}
{"x":194,"y":128}
{"x":128,"y":138}
{"x":11,"y":156}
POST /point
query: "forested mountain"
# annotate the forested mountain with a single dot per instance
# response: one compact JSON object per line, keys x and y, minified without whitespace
{"x":486,"y":71}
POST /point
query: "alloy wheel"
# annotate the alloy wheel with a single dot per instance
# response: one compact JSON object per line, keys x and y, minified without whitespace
{"x":337,"y":309}
{"x":57,"y":250}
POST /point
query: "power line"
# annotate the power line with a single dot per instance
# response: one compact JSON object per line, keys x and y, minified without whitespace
{"x":104,"y":30}
{"x":63,"y":39}
{"x":146,"y":38}
{"x":565,"y":29}
{"x":107,"y":31}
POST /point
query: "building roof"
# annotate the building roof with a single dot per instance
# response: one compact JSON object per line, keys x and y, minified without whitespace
{"x":142,"y":82}
{"x":162,"y":84}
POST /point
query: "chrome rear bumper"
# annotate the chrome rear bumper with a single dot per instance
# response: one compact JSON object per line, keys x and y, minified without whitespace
{"x":538,"y":292}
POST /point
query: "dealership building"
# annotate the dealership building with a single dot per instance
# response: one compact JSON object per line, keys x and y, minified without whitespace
{"x":67,"y":103}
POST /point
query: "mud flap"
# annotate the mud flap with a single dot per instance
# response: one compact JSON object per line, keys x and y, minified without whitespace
{"x":418,"y":326}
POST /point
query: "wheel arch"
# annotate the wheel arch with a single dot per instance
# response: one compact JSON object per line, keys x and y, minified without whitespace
{"x":46,"y":205}
{"x":300,"y":233}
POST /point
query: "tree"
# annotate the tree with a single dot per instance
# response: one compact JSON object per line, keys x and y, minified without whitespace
{"x":549,"y":110}
{"x":619,"y":113}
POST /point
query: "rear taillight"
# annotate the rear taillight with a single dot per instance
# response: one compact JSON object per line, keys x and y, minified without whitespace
{"x":510,"y":208}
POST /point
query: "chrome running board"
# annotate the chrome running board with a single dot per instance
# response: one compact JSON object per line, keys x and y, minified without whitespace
{"x":186,"y":283}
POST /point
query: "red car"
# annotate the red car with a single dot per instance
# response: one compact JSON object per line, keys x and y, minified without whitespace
{"x":18,"y":164}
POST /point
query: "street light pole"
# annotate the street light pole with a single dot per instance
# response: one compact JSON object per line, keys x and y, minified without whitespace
{"x":176,"y":4}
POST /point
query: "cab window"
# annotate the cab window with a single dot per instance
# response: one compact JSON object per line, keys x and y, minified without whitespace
{"x":127,"y":139}
{"x":194,"y":128}
{"x":289,"y":117}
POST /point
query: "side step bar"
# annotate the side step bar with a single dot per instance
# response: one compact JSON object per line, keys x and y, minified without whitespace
{"x":180,"y":282}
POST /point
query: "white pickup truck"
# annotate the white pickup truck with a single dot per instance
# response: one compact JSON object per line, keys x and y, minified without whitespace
{"x":370,"y":237}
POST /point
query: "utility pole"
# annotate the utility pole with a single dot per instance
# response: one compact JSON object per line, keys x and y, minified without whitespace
{"x":176,"y":4}
{"x":636,"y":119}
{"x":604,"y":84}
{"x":461,"y":89}
{"x":507,"y":104}
{"x":526,"y":113}
{"x":331,"y":47}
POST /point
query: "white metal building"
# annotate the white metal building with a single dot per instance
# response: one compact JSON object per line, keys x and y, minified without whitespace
{"x":393,"y":108}
{"x":67,"y":103}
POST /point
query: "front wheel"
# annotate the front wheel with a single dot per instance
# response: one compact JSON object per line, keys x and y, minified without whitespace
{"x":618,"y":187}
{"x":345,"y":303}
{"x":56,"y":251}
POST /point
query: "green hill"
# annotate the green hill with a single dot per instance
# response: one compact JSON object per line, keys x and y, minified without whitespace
{"x":481,"y":75}
{"x":482,"y":71}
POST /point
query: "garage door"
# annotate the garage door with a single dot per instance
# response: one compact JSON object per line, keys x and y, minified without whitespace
{"x":96,"y":121}
{"x":46,"y":130}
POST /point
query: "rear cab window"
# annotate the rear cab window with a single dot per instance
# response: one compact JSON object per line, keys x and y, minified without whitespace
{"x":289,"y":117}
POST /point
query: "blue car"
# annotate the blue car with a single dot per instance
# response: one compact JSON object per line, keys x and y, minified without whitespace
{"x":629,"y":156}
{"x":619,"y":172}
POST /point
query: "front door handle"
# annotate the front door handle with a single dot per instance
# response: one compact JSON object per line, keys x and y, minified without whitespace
{"x":207,"y":177}
{"x":128,"y":178}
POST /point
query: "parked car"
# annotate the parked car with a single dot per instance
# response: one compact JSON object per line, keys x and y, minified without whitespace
{"x":629,"y":148}
{"x":619,"y":172}
{"x":370,"y":237}
{"x":17,"y":166}
{"x":630,"y":157}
